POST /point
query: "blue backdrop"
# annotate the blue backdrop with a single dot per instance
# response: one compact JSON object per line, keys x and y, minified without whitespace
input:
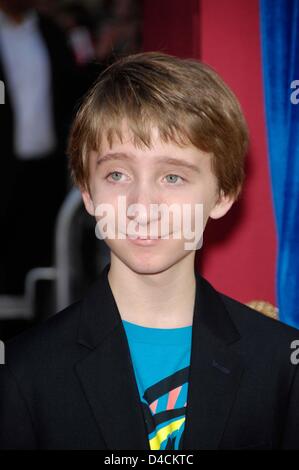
{"x":279,"y":21}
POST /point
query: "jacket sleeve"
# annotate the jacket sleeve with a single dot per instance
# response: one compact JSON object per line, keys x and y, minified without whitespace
{"x":290,"y":438}
{"x":16,"y":430}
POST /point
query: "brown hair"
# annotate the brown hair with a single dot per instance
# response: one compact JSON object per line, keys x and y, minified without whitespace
{"x":185,"y":99}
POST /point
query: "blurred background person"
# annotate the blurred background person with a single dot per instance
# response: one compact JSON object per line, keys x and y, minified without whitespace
{"x":76,"y":20}
{"x":99,"y":31}
{"x":42,"y":85}
{"x":119,"y":33}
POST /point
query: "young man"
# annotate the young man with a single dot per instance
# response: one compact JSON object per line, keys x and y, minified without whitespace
{"x":153,"y":357}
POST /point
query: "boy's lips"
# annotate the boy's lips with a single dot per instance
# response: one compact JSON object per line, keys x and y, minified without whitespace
{"x":143,"y":237}
{"x":143,"y":241}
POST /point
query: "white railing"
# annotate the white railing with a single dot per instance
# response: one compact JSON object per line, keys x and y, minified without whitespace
{"x":12,"y":306}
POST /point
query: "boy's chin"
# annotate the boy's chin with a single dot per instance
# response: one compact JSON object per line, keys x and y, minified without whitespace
{"x":148,"y":269}
{"x":155,"y":265}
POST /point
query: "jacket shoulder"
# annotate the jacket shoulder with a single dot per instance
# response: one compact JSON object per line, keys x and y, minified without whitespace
{"x":40,"y":342}
{"x":251,"y":321}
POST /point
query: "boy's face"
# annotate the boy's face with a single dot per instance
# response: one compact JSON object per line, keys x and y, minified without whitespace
{"x":146,"y":176}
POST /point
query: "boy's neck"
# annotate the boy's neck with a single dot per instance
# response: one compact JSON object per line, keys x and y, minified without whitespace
{"x":163,"y":300}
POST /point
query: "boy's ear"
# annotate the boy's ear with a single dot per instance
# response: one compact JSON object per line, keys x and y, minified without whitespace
{"x":222,"y":206}
{"x":88,"y":203}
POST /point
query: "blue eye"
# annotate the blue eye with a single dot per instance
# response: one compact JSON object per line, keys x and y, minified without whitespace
{"x":115,"y":173}
{"x":174,"y":176}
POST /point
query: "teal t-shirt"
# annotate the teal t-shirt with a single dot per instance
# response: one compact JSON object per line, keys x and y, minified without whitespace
{"x":161,"y":360}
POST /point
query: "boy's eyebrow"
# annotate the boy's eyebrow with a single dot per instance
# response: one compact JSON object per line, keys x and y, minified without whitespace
{"x":161,"y":159}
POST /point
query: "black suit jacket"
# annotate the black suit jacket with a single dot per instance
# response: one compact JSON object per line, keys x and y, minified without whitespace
{"x":68,"y":383}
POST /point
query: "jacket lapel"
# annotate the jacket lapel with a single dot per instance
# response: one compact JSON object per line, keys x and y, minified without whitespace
{"x":107,"y":376}
{"x":215,"y":370}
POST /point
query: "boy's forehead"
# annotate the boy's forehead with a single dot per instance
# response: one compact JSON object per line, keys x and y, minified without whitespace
{"x":127,"y":142}
{"x":158,"y":148}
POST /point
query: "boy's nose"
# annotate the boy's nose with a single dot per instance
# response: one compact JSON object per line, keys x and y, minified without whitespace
{"x":143,"y":213}
{"x":144,"y":195}
{"x":142,"y":206}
